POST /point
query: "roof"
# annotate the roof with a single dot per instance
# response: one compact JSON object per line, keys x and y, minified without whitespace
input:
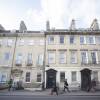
{"x":75,"y":32}
{"x":50,"y":32}
{"x":18,"y":33}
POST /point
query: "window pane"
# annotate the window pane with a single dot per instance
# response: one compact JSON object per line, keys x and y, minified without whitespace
{"x":9,"y":42}
{"x":28,"y":77}
{"x":51,"y":57}
{"x":40,"y":59}
{"x":0,"y":77}
{"x":62,"y":57}
{"x":98,"y":39}
{"x":95,"y":75}
{"x":31,"y":42}
{"x":91,"y":40}
{"x":72,"y":39}
{"x":0,"y":42}
{"x":73,"y":58}
{"x":7,"y":56}
{"x":82,"y":40}
{"x":29,"y":56}
{"x":39,"y":77}
{"x":19,"y":58}
{"x":94,"y":59}
{"x":41,"y":42}
{"x":73,"y":76}
{"x":61,"y":39}
{"x":84,"y":57}
{"x":50,"y":40}
{"x":3,"y":78}
{"x":62,"y":76}
{"x":21,"y":42}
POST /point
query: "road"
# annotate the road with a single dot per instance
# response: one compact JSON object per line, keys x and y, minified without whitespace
{"x":59,"y":97}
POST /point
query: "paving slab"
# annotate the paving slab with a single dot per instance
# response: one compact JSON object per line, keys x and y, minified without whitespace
{"x":47,"y":92}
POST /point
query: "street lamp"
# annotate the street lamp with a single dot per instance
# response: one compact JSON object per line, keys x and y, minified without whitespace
{"x":43,"y":82}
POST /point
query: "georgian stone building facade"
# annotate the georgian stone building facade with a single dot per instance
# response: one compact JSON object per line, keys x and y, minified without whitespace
{"x":34,"y":57}
{"x":70,"y":53}
{"x":21,"y":57}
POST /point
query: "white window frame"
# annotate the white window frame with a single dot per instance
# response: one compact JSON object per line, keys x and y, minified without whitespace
{"x":19,"y":57}
{"x":73,"y":57}
{"x":95,"y":75}
{"x":6,"y":56}
{"x":39,"y":79}
{"x":60,"y":41}
{"x":73,"y":39}
{"x":86,"y":57}
{"x":50,"y":41}
{"x":9,"y":42}
{"x":31,"y":42}
{"x":28,"y":77}
{"x":95,"y":55}
{"x":75,"y":73}
{"x":98,"y":39}
{"x":89,"y":41}
{"x":62,"y":57}
{"x":94,"y":39}
{"x":1,"y":42}
{"x":41,"y":42}
{"x":84,"y":40}
{"x":62,"y":80}
{"x":29,"y":58}
{"x":21,"y":42}
{"x":40,"y":59}
{"x":51,"y":57}
{"x":1,"y":77}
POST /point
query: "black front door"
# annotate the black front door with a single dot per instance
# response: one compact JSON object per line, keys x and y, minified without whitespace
{"x":85,"y":79}
{"x":51,"y":78}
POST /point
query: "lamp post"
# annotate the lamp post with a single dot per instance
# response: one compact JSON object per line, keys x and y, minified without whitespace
{"x":43,"y":81}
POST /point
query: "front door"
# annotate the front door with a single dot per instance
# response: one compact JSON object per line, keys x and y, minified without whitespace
{"x":51,"y":78}
{"x":85,"y":79}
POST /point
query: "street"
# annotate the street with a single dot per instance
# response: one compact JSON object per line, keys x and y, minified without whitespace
{"x":49,"y":97}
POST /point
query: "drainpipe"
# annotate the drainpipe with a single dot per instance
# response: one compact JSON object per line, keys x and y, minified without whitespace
{"x":13,"y":55}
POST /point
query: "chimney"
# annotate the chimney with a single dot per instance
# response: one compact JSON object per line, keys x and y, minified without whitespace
{"x":94,"y":25}
{"x":72,"y":26}
{"x":47,"y":26}
{"x":22,"y":27}
{"x":1,"y":28}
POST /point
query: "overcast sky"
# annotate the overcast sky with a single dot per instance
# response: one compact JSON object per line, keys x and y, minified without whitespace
{"x":58,"y":12}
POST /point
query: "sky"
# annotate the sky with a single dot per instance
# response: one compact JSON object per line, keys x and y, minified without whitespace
{"x":35,"y":13}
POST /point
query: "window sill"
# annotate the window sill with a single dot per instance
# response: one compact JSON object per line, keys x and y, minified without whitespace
{"x":62,"y":63}
{"x":73,"y":63}
{"x":27,"y":82}
{"x":38,"y":82}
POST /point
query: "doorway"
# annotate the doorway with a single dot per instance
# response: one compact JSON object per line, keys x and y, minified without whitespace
{"x":51,"y":78}
{"x":85,"y":79}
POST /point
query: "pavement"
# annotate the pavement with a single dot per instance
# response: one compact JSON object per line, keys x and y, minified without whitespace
{"x":47,"y":92}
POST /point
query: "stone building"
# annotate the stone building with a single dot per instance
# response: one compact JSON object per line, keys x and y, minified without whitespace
{"x":34,"y":57}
